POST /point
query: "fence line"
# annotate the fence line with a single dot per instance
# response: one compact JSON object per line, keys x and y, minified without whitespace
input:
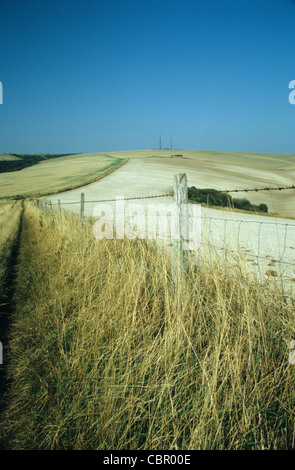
{"x":254,"y":189}
{"x":282,"y":258}
{"x":281,"y":188}
{"x":114,"y":200}
{"x":276,"y":251}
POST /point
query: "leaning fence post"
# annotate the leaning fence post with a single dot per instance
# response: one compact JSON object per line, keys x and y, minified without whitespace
{"x":180,"y":258}
{"x":82,"y":207}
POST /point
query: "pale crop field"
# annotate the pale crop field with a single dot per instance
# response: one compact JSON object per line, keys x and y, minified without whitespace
{"x":224,"y":171}
{"x":58,"y":174}
{"x":152,"y":172}
{"x":150,"y":175}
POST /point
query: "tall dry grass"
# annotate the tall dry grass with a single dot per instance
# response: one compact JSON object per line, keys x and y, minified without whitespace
{"x":106,"y":353}
{"x":10,"y":219}
{"x":10,"y":213}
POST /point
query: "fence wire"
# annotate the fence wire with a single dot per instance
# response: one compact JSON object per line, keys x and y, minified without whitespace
{"x":268,"y":247}
{"x":113,"y":200}
{"x":275,"y":188}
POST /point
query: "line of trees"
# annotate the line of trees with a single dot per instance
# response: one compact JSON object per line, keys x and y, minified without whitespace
{"x":212,"y":197}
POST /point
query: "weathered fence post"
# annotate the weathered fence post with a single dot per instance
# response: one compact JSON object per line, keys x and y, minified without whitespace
{"x":180,"y":258}
{"x":59,"y":206}
{"x":82,"y":207}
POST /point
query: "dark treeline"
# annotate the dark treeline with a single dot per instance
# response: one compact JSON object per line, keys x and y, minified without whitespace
{"x":26,"y":160}
{"x":212,"y":197}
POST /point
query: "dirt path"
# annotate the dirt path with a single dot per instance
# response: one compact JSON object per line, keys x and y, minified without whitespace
{"x":7,"y":308}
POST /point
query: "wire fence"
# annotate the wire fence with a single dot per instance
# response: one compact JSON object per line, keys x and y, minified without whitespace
{"x":275,"y":188}
{"x":267,"y":246}
{"x":111,"y":200}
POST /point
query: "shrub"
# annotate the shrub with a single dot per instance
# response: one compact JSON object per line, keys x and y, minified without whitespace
{"x":212,"y":197}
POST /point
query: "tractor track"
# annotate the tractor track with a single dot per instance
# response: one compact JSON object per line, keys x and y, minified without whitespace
{"x":7,"y":309}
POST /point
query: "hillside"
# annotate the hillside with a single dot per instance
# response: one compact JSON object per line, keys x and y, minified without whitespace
{"x":151,"y":172}
{"x":56,"y":174}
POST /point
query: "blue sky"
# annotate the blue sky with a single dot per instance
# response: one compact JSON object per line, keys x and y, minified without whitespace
{"x":107,"y":75}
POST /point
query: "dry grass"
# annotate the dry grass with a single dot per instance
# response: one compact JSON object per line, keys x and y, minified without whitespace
{"x":59,"y":174}
{"x":10,"y":212}
{"x":106,"y":353}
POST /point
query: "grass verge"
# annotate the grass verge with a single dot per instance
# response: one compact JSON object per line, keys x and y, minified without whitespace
{"x":10,"y":219}
{"x":106,"y":353}
{"x":10,"y":212}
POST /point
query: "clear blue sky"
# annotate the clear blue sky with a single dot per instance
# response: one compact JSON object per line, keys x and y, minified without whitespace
{"x":106,"y":75}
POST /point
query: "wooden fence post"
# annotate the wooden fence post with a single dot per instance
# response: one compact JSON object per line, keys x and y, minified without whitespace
{"x":82,"y":207}
{"x":59,"y":206}
{"x":180,"y":258}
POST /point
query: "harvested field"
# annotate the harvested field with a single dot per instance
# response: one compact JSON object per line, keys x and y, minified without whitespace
{"x":56,"y":175}
{"x":227,"y":170}
{"x":154,"y":176}
{"x":149,"y":176}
